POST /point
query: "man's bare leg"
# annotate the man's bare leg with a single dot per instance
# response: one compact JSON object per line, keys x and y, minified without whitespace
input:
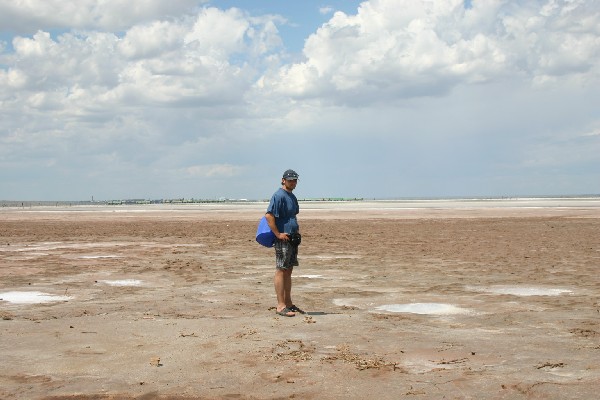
{"x":283,"y":289}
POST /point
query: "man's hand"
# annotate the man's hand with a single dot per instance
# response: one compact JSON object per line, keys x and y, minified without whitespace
{"x":283,"y":236}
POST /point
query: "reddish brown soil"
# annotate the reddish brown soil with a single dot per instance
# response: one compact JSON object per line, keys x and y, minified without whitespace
{"x":201,"y":323}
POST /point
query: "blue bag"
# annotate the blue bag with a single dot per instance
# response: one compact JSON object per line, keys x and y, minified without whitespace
{"x":264,"y":235}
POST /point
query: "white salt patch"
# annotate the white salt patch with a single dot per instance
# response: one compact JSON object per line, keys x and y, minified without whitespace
{"x":309,"y":276}
{"x":349,"y":302}
{"x":525,"y":291}
{"x":30,"y":256}
{"x":420,"y":366}
{"x":31,"y":297}
{"x":423,"y":308}
{"x":94,"y":257}
{"x":123,"y":282}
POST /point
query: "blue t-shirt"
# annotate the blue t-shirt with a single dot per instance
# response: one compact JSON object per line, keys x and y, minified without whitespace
{"x":284,"y":207}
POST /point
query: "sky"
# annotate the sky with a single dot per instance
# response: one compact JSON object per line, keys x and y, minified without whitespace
{"x":149,"y":99}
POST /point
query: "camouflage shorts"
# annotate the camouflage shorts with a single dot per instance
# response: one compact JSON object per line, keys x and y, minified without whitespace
{"x":286,"y":255}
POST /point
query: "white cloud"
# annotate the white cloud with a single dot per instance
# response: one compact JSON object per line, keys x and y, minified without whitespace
{"x":181,"y":62}
{"x":153,"y":39}
{"x":12,"y":79}
{"x":326,"y":10}
{"x":28,"y":16}
{"x":158,"y":96}
{"x":400,"y":48}
{"x":218,"y":34}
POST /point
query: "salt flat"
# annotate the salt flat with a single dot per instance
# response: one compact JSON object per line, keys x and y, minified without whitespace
{"x":482,"y":300}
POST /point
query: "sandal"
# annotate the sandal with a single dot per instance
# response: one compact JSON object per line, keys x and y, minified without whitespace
{"x":286,"y":312}
{"x":293,"y":308}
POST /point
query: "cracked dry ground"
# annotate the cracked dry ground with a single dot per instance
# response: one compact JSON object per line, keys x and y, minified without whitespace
{"x":194,"y":317}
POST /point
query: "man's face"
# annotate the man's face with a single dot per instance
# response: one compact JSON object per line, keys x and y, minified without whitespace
{"x":289,"y":184}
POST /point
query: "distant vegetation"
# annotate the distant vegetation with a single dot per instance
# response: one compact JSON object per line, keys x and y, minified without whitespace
{"x":27,"y":204}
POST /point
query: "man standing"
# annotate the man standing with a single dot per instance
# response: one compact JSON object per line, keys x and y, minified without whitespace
{"x":281,"y":217}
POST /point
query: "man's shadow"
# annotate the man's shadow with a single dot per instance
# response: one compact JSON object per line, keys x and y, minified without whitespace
{"x":316,"y":313}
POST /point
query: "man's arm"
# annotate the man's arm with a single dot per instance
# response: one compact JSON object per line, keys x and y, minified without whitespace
{"x":271,"y":221}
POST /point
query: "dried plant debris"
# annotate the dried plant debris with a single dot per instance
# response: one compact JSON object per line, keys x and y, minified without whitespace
{"x":292,"y":350}
{"x":451,"y":362}
{"x":6,"y":316}
{"x":587,"y":333}
{"x":343,"y":353}
{"x":550,"y":365}
{"x":246,"y":333}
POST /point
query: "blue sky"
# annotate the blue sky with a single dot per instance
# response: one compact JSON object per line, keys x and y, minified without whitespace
{"x":301,"y":17}
{"x":372,"y":99}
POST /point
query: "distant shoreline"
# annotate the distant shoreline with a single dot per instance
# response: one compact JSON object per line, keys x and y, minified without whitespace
{"x":316,"y":203}
{"x":59,"y":203}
